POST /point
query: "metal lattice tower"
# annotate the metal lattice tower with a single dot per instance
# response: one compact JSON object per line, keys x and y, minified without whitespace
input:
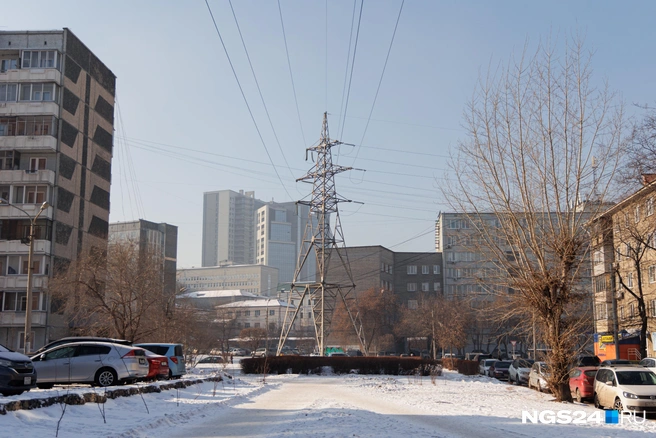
{"x":322,"y":242}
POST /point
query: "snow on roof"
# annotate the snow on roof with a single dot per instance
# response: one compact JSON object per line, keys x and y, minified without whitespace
{"x":217,"y":294}
{"x":264,"y":302}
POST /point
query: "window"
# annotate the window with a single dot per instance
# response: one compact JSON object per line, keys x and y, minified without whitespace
{"x":412,"y":287}
{"x":436,"y":269}
{"x":257,"y":313}
{"x":425,"y":287}
{"x":650,"y":206}
{"x":629,"y":279}
{"x":37,"y":164}
{"x":257,"y":325}
{"x":621,"y":312}
{"x":247,"y":325}
{"x":412,"y":304}
{"x":412,"y":270}
{"x":8,"y":92}
{"x":15,"y":301}
{"x":636,"y":214}
{"x":425,"y":269}
{"x":631,"y":310}
{"x":38,"y":92}
{"x":8,"y":64}
{"x":454,"y":224}
{"x":437,"y":287}
{"x":30,"y":194}
{"x":40,"y":59}
{"x":652,"y":308}
{"x":272,"y":312}
{"x":247,"y":313}
{"x":28,"y":125}
{"x":652,"y":273}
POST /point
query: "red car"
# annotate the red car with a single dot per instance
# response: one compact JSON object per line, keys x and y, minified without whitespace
{"x":581,"y":382}
{"x":158,"y":366}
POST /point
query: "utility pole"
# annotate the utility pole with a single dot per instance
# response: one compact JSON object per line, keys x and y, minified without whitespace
{"x":320,"y":243}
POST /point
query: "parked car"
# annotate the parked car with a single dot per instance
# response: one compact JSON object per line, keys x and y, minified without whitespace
{"x":97,"y":363}
{"x":17,"y":373}
{"x":210,"y":360}
{"x":581,"y":383}
{"x":618,"y":362}
{"x":649,"y":363}
{"x":337,"y":354}
{"x":587,"y":361}
{"x":625,"y":388}
{"x":519,"y":370}
{"x":537,"y":377}
{"x":484,"y":366}
{"x":71,"y":339}
{"x":499,"y":369}
{"x":239,"y":352}
{"x":173,"y":353}
{"x":158,"y":366}
{"x":263,"y":352}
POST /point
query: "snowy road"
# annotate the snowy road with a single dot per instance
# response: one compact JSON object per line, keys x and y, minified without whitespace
{"x":327,"y":407}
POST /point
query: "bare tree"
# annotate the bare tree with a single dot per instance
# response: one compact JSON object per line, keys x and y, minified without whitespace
{"x":116,"y":293}
{"x":254,"y":337}
{"x":641,"y":152}
{"x":541,"y":150}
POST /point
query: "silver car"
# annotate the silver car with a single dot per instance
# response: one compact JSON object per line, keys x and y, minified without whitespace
{"x":97,"y":363}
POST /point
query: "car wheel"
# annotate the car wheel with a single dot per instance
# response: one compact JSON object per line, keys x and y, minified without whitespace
{"x":10,"y":393}
{"x":45,"y":385}
{"x":596,"y":402}
{"x":170,"y":375}
{"x":106,"y":377}
{"x":577,"y":396}
{"x":618,"y":405}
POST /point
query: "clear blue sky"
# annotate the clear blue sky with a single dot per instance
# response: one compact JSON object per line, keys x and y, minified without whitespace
{"x":175,"y":89}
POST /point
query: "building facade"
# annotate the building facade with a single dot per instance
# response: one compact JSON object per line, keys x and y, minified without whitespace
{"x":279,"y":233}
{"x":623,"y":256}
{"x":262,"y":313}
{"x":56,"y":139}
{"x":229,"y":227}
{"x":153,"y":238}
{"x":254,"y":279}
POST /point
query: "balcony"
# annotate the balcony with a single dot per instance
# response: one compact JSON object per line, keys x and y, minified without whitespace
{"x":29,"y":108}
{"x":46,"y":143}
{"x":31,"y":75}
{"x":26,"y":176}
{"x":17,"y":319}
{"x":10,"y":247}
{"x":20,"y":281}
{"x":10,"y":212}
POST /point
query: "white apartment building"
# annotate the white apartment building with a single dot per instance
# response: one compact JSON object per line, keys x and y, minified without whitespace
{"x":254,"y":279}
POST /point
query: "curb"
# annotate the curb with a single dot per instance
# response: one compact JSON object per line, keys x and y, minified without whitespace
{"x":95,"y":397}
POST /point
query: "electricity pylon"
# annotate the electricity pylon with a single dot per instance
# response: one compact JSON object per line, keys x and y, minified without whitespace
{"x":323,"y":242}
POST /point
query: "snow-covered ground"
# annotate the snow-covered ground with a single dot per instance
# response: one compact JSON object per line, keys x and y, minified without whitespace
{"x":323,"y":406}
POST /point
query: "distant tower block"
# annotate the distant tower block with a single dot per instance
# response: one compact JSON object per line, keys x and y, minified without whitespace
{"x":323,"y":242}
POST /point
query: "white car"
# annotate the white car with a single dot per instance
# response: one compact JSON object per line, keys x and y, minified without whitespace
{"x":625,"y":388}
{"x":484,"y":366}
{"x":97,"y":363}
{"x":519,"y":370}
{"x":649,"y":363}
{"x":537,"y":378}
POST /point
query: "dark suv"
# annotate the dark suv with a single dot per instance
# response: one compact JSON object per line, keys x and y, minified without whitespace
{"x":17,"y":373}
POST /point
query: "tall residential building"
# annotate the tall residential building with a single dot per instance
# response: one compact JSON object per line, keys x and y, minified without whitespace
{"x":56,"y":137}
{"x":279,"y":239}
{"x":160,"y":239}
{"x":254,"y":279}
{"x":229,"y":227}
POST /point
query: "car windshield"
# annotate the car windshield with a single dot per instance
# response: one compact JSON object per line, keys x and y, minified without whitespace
{"x":591,"y":373}
{"x":501,"y":364}
{"x":636,"y":378}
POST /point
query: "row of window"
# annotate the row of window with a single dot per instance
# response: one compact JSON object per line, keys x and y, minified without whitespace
{"x":412,"y":269}
{"x":17,"y":265}
{"x":17,"y":301}
{"x":29,"y":92}
{"x":425,"y":287}
{"x":28,"y":125}
{"x":33,"y":59}
{"x":239,"y":313}
{"x":637,"y":214}
{"x":24,"y":194}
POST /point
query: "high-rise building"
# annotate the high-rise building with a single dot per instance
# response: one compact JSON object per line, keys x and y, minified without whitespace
{"x":229,"y":227}
{"x":56,"y":137}
{"x":279,"y":238}
{"x":153,"y":239}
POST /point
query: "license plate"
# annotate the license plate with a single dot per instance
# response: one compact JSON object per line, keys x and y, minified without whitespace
{"x":27,"y":380}
{"x":142,"y":361}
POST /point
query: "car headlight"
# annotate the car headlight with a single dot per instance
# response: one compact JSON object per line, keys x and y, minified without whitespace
{"x":629,"y":395}
{"x":5,"y":363}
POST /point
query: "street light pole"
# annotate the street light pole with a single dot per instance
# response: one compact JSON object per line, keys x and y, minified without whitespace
{"x":27,"y":338}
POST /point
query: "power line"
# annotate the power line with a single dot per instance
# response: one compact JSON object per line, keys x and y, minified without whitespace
{"x":380,"y":82}
{"x":266,"y":110}
{"x":289,"y":64}
{"x":216,"y":27}
{"x":355,"y":50}
{"x":346,"y":68}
